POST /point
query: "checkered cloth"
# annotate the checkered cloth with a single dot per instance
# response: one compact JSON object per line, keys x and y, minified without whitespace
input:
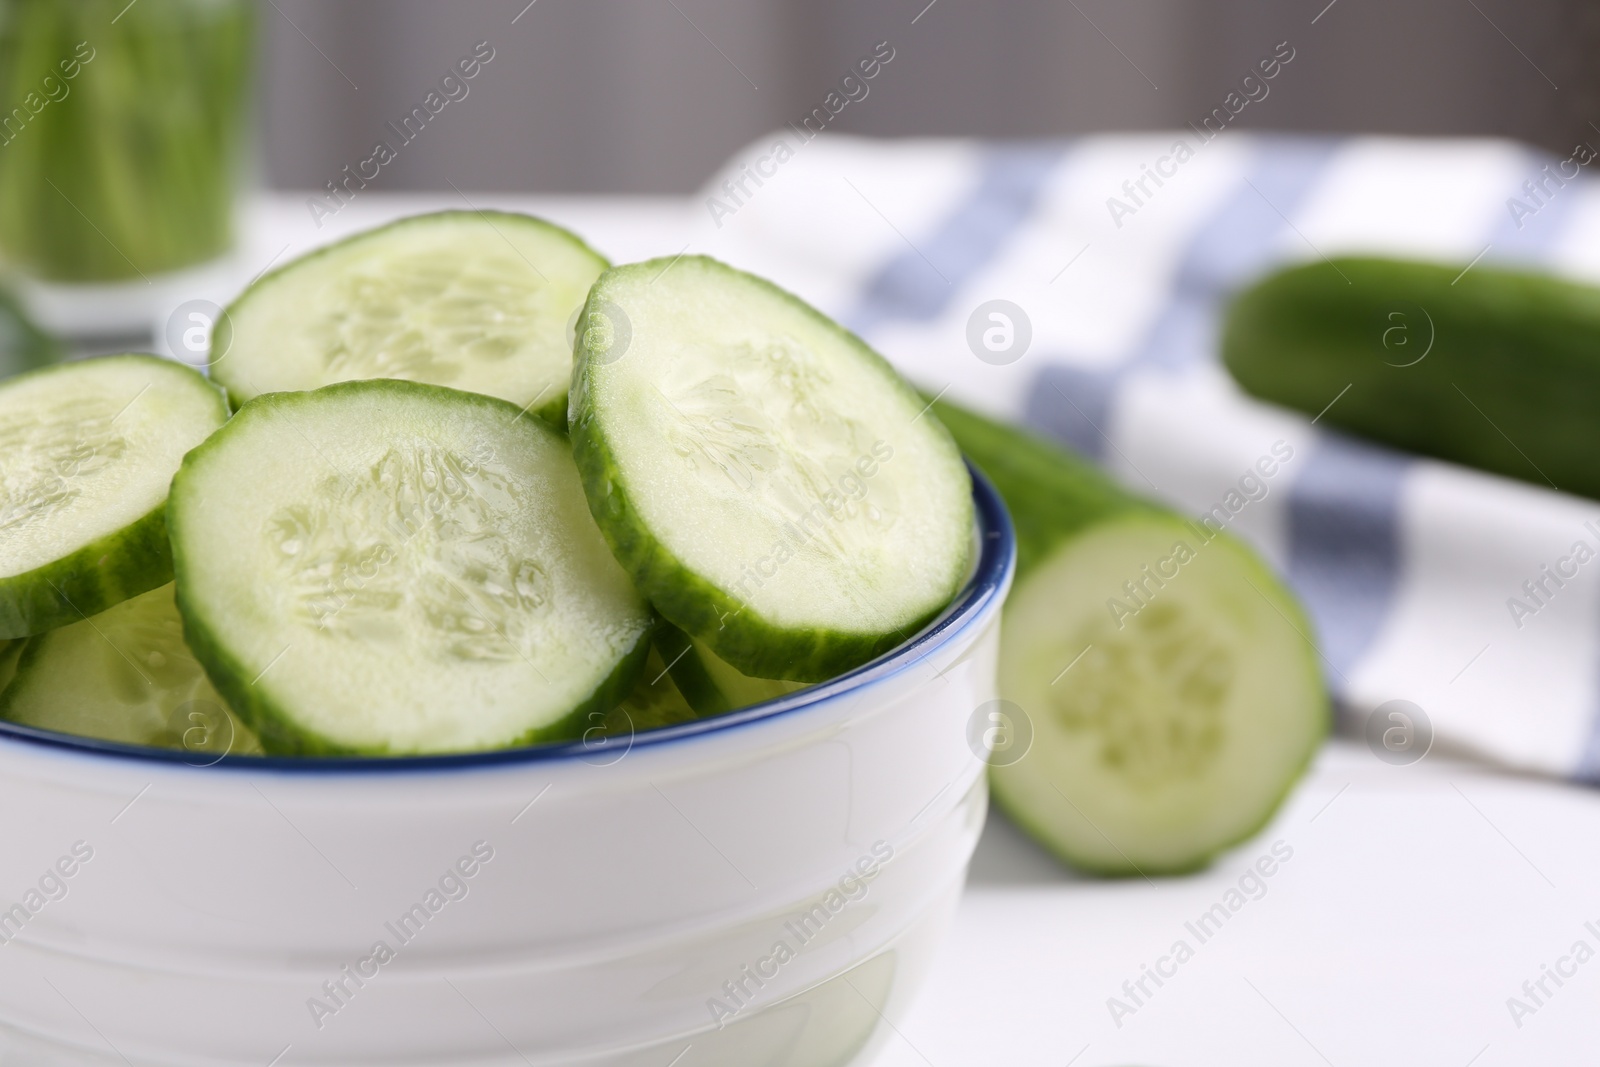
{"x":1407,"y":565}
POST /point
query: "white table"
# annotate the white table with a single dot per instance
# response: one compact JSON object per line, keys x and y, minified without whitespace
{"x":1416,"y":902}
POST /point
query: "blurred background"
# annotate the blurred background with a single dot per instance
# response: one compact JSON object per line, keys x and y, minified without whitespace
{"x":129,"y":128}
{"x":652,"y":95}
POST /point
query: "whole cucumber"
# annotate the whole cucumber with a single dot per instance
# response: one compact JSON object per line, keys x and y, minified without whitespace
{"x":1492,"y":368}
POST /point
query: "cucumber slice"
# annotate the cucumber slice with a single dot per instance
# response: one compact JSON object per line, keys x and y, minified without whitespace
{"x":10,"y":652}
{"x":126,"y":675}
{"x":1167,"y":722}
{"x":384,"y":567}
{"x":1433,"y":359}
{"x":772,"y":485}
{"x":654,"y":702}
{"x":87,"y":451}
{"x":23,"y":345}
{"x":708,"y":683}
{"x":476,"y":300}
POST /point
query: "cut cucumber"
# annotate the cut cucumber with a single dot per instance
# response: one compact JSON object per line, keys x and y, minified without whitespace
{"x":476,"y":300}
{"x":1433,"y":359}
{"x":654,"y":702}
{"x":709,"y":684}
{"x":384,"y":567}
{"x":23,"y":345}
{"x":87,"y":451}
{"x":772,"y":485}
{"x":126,"y":675}
{"x":10,"y":652}
{"x":1168,"y":677}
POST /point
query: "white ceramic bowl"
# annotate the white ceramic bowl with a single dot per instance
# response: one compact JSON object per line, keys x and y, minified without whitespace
{"x":763,"y":888}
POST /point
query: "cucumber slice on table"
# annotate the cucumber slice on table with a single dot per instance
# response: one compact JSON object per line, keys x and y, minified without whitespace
{"x":126,"y":675}
{"x":385,"y":567}
{"x":476,"y":300}
{"x":1433,"y":359}
{"x":707,"y":682}
{"x":87,"y":451}
{"x":774,"y":488}
{"x":1168,"y":721}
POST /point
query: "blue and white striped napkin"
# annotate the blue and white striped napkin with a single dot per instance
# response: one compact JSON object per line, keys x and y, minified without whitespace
{"x":1411,"y":568}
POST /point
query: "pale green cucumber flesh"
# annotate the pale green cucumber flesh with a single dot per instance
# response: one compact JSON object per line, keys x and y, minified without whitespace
{"x":125,"y":675}
{"x":770,"y":483}
{"x":87,"y":451}
{"x":1168,"y":721}
{"x":709,"y":684}
{"x":384,"y":567}
{"x":476,"y":300}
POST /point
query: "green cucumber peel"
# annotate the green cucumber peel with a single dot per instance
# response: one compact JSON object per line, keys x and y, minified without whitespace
{"x":1489,"y":367}
{"x":708,"y":684}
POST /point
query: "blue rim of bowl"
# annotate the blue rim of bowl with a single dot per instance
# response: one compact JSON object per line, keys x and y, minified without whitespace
{"x":997,"y":552}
